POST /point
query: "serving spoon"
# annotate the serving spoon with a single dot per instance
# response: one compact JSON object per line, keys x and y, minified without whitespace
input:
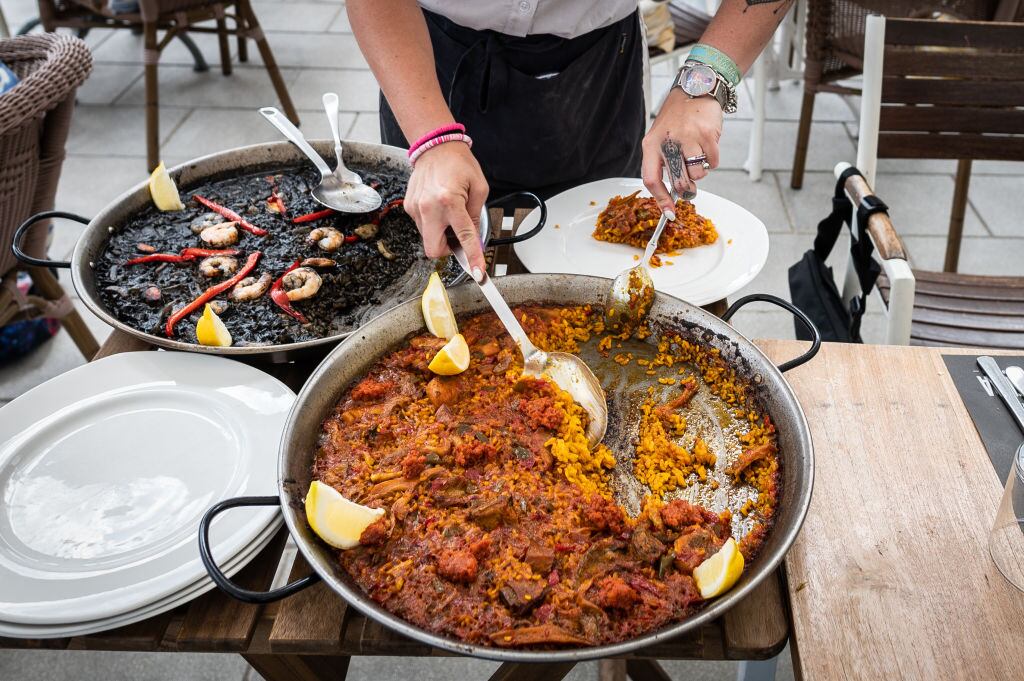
{"x":341,"y":189}
{"x":632,"y":290}
{"x":567,"y":371}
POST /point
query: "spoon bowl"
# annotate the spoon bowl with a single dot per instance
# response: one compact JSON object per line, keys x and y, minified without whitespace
{"x":343,"y":192}
{"x":632,"y":291}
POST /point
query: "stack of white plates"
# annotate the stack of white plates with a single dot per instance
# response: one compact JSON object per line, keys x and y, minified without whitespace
{"x":105,"y":473}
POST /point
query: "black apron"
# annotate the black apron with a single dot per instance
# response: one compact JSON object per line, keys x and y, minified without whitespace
{"x":545,"y":113}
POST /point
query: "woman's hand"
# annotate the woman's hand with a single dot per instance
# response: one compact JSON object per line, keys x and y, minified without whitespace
{"x":447,"y":187}
{"x":684,"y":128}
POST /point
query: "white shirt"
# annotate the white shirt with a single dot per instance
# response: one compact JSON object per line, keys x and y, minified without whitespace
{"x":563,"y":18}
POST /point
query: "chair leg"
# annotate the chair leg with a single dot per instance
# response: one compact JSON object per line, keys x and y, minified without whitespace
{"x":222,"y":42}
{"x":803,"y":138}
{"x":243,"y":44}
{"x":73,"y":323}
{"x":245,"y":10}
{"x":151,"y":55}
{"x":956,"y":218}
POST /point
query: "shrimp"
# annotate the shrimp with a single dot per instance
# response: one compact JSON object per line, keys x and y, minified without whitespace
{"x":205,"y":220}
{"x":318,"y":262}
{"x":220,"y":235}
{"x":367,"y":231}
{"x":327,"y":238}
{"x":301,"y":283}
{"x":218,"y":266}
{"x":251,"y":288}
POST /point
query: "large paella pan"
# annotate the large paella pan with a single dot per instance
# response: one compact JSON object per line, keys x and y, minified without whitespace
{"x":537,"y":549}
{"x":286,"y":275}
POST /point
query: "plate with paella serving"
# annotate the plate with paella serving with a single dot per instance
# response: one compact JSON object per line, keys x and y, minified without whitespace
{"x":711,"y":250}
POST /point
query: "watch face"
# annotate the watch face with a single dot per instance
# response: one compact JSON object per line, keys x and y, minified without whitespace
{"x":698,"y":80}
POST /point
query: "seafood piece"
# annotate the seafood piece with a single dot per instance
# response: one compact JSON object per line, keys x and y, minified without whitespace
{"x":251,"y":288}
{"x":318,"y":262}
{"x":218,"y":266}
{"x":219,"y":307}
{"x":383,"y":248}
{"x":326,"y":238}
{"x":146,"y":248}
{"x":301,"y":283}
{"x":205,"y":220}
{"x":367,"y":231}
{"x":220,"y":235}
{"x":152,"y":294}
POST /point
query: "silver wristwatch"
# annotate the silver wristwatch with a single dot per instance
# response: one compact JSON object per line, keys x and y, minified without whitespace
{"x":697,"y":79}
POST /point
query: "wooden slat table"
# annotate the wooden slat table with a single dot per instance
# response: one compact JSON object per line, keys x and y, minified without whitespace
{"x":891,"y":576}
{"x":312,"y":636}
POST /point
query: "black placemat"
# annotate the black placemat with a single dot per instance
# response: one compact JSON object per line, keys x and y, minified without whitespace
{"x":999,"y":431}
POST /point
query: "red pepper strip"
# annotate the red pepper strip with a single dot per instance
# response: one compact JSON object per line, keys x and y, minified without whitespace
{"x":351,"y":239}
{"x":280,"y":296}
{"x":212,"y":292}
{"x":156,"y":257}
{"x":275,"y":203}
{"x":388,"y":207}
{"x":230,"y":215}
{"x":312,"y":217}
{"x":186,"y":255}
{"x":193,"y":253}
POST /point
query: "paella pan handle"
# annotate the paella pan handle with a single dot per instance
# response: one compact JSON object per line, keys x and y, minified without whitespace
{"x":222,"y":580}
{"x":526,"y":235}
{"x":790,"y":307}
{"x":25,"y":226}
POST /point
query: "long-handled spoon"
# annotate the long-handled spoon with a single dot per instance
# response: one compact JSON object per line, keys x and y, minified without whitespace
{"x":567,"y":371}
{"x":632,"y":290}
{"x":345,"y":193}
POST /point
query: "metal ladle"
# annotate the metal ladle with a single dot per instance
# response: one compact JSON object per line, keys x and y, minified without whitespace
{"x":341,"y":189}
{"x":632,"y":290}
{"x":567,"y":371}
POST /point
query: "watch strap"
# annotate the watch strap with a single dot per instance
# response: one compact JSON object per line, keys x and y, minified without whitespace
{"x":719,"y":62}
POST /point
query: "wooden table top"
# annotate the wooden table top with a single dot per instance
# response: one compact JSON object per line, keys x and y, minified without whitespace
{"x":891,"y":576}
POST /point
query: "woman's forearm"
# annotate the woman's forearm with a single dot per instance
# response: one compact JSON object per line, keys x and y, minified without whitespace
{"x":393,"y":37}
{"x":741,"y":30}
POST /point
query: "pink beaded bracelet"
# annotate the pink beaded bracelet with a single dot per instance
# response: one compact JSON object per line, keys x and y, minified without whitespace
{"x":437,"y":141}
{"x":436,"y":132}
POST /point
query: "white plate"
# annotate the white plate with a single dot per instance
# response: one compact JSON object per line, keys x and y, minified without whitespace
{"x":192,"y":591}
{"x":698,"y":275}
{"x":106,"y":470}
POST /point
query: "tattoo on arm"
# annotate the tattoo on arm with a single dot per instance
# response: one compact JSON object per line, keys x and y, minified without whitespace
{"x":673,"y":154}
{"x":784,"y":4}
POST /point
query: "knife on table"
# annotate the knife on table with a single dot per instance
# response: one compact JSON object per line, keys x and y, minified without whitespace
{"x":1016,"y":376}
{"x":1004,"y":388}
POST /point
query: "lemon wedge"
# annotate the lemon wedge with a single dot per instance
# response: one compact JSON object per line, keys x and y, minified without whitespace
{"x":437,"y":310}
{"x":210,"y":330}
{"x":717,"y":574}
{"x":452,"y":359}
{"x":163,"y":190}
{"x":335,"y":519}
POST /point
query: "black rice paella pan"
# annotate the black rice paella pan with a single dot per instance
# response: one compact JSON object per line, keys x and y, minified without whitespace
{"x":138,"y":268}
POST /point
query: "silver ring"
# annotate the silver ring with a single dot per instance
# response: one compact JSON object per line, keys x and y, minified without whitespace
{"x":698,"y":160}
{"x":705,"y":165}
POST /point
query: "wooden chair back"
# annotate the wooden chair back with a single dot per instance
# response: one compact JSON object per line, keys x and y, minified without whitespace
{"x":952,"y":90}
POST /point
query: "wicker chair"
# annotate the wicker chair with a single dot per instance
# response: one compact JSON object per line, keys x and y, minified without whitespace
{"x":174,"y":17}
{"x":34,"y":119}
{"x":835,"y":47}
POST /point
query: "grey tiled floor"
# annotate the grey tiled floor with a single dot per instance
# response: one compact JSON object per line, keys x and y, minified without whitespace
{"x":202,"y":113}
